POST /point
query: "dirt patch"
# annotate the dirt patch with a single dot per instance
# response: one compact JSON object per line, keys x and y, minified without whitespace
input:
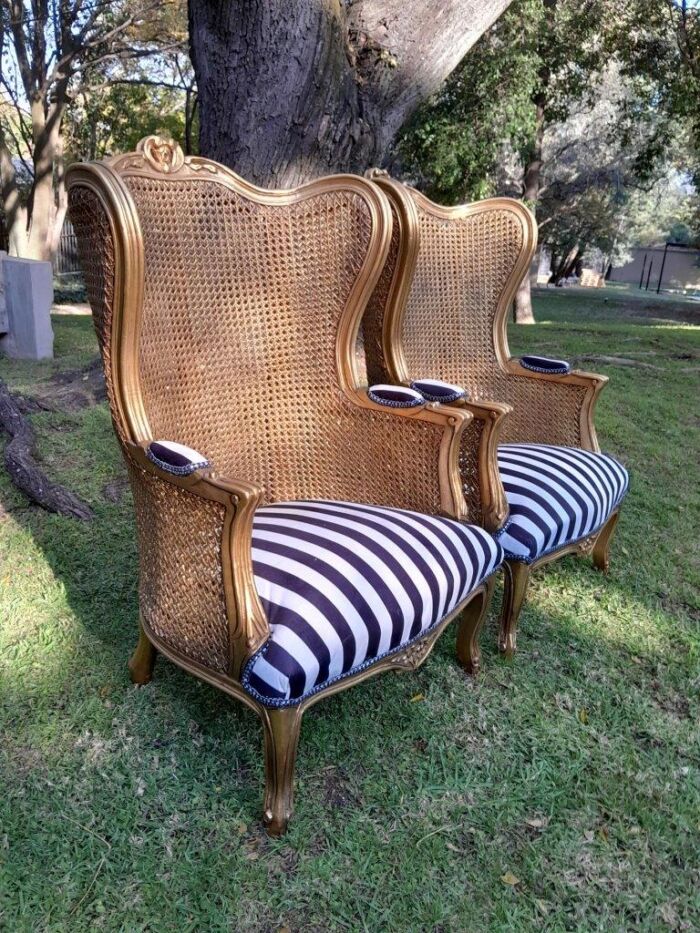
{"x":337,"y":791}
{"x":114,"y":490}
{"x":72,"y":390}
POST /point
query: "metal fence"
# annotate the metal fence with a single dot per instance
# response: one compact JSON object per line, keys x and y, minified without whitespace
{"x":66,"y":259}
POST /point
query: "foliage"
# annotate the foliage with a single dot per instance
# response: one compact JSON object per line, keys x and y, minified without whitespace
{"x":560,"y":792}
{"x":52,"y":53}
{"x":114,"y":118}
{"x":453,"y":145}
{"x":588,"y":110}
{"x":542,"y":52}
{"x":658,"y":44}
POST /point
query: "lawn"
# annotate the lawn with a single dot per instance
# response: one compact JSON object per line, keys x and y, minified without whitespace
{"x":560,"y":792}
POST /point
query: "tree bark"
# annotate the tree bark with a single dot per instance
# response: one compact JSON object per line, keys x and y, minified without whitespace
{"x":290,"y":90}
{"x":567,"y":265}
{"x":522,"y":306}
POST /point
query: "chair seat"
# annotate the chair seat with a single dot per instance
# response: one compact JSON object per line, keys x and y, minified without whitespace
{"x":557,"y":495}
{"x":344,"y":585}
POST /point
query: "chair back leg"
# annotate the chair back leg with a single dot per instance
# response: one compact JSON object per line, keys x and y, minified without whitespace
{"x":601,"y":548}
{"x":143,"y":660}
{"x":516,"y":576}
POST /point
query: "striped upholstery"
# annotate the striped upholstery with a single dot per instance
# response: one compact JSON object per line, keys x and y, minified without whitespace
{"x":556,"y":496}
{"x":343,"y":585}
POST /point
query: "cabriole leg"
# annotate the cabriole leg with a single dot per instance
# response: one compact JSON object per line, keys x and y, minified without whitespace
{"x":601,"y":548}
{"x":516,"y":576}
{"x":142,"y":660}
{"x":281,"y":739}
{"x":470,"y":626}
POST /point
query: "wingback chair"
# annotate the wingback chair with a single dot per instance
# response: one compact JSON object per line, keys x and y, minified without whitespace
{"x":440,"y":311}
{"x":295,"y":537}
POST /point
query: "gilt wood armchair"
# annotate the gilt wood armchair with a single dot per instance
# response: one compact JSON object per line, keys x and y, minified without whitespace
{"x":294,"y":537}
{"x":440,"y":310}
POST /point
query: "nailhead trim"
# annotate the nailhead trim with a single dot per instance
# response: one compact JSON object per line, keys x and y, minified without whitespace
{"x":176,"y":470}
{"x":390,"y":403}
{"x":556,"y":371}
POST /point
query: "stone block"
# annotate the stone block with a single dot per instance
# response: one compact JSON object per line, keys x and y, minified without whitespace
{"x":28,"y":292}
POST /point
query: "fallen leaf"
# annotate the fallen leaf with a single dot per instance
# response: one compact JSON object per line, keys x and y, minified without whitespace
{"x":537,"y":822}
{"x":604,"y":833}
{"x":510,"y":879}
{"x":668,"y":914}
{"x":417,"y":697}
{"x":583,"y":715}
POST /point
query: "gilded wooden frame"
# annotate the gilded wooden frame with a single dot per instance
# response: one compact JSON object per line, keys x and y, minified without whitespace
{"x":247,"y":623}
{"x":516,"y":573}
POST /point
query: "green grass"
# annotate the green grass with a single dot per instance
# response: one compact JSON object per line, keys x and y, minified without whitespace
{"x":575,"y":770}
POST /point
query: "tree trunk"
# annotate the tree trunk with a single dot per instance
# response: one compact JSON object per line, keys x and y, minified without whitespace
{"x":522,"y":306}
{"x":48,"y":154}
{"x":15,"y":211}
{"x":567,"y":265}
{"x":291,"y":90}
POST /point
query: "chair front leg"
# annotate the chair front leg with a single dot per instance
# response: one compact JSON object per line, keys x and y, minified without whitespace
{"x":282,"y":728}
{"x":142,"y":660}
{"x":470,"y":626}
{"x":601,"y":547}
{"x":516,"y":576}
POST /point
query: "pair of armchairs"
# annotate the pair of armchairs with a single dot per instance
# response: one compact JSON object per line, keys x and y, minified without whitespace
{"x":299,"y":532}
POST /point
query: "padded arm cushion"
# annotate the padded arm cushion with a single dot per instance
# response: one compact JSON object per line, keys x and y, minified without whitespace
{"x":542,"y":364}
{"x":395,"y":396}
{"x":175,"y":458}
{"x":433,"y":390}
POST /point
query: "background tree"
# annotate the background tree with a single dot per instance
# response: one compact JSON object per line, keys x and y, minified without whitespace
{"x":49,"y":51}
{"x":562,"y":104}
{"x":528,"y":71}
{"x":291,"y":90}
{"x":124,"y":100}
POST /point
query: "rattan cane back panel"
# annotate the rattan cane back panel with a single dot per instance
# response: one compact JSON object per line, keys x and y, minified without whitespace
{"x":241,"y":306}
{"x":96,"y":251}
{"x":544,"y":411}
{"x":181,"y":586}
{"x":451,"y":323}
{"x":463,"y":266}
{"x":237,"y":350}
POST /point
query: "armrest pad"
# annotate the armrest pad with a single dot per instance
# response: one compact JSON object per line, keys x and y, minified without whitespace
{"x":543,"y":364}
{"x":394,"y":396}
{"x":175,"y":458}
{"x":434,"y":390}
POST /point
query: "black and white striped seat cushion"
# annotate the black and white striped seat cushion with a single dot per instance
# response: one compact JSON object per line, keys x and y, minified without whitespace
{"x":556,"y":496}
{"x":344,"y":585}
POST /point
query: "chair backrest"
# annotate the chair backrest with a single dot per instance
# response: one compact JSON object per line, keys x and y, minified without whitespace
{"x":441,"y":309}
{"x":227,"y":315}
